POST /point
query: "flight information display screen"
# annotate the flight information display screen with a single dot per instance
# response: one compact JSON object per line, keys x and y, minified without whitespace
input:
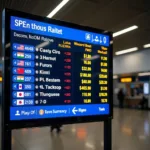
{"x":57,"y":71}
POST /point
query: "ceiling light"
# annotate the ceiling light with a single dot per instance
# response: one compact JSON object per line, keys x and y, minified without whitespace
{"x":146,"y":45}
{"x":144,"y":74}
{"x":125,"y":30}
{"x":63,"y":3}
{"x":115,"y":77}
{"x":126,"y":51}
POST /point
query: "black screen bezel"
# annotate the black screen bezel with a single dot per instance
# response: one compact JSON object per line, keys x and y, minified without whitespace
{"x":12,"y":124}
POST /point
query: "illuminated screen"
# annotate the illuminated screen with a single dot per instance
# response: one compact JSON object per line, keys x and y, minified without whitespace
{"x":57,"y":71}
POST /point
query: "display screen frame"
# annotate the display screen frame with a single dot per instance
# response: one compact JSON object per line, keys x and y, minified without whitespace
{"x":13,"y":124}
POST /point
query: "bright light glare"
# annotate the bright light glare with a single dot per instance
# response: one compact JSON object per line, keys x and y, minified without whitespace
{"x":63,"y":3}
{"x":7,"y":45}
{"x":144,"y":74}
{"x":126,"y":51}
{"x":125,"y":30}
{"x":146,"y":45}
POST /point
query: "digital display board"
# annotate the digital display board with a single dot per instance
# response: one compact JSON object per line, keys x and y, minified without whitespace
{"x":56,"y":69}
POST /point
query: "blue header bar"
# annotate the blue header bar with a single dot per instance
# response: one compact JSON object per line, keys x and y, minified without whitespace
{"x":36,"y":27}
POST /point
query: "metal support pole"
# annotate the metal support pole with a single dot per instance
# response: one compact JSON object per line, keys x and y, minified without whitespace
{"x":108,"y":134}
{"x":6,"y":139}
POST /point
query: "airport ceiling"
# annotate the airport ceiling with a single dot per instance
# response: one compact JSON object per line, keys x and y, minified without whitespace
{"x":111,"y":15}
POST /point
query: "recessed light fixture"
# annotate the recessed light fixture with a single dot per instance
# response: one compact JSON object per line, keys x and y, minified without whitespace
{"x":127,"y":51}
{"x":125,"y":30}
{"x":62,"y":4}
{"x":146,"y":45}
{"x":144,"y":74}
